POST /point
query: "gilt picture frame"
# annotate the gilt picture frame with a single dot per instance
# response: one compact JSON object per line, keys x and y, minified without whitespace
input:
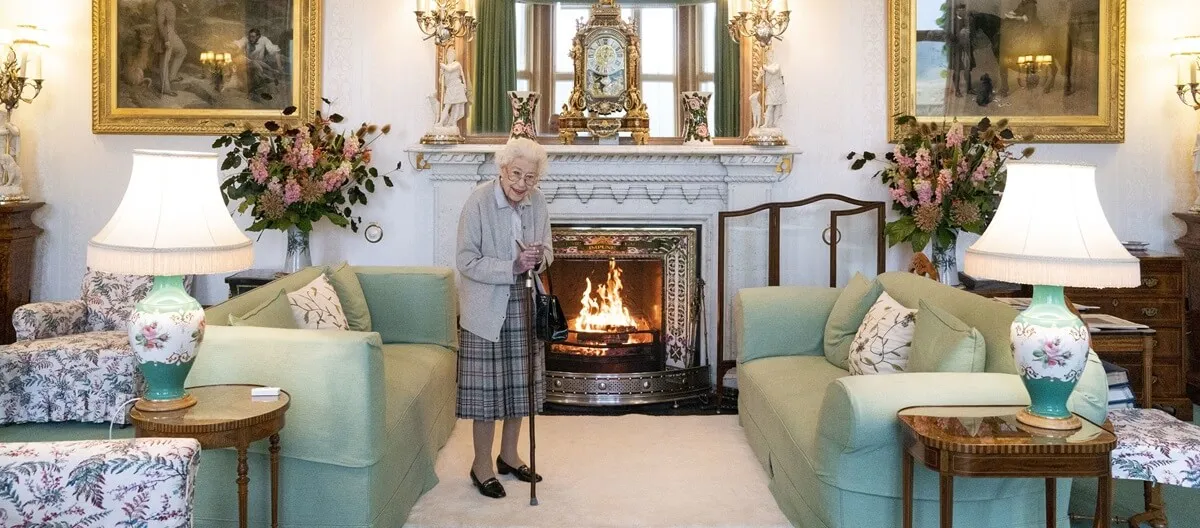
{"x":1054,"y":68}
{"x":170,"y":67}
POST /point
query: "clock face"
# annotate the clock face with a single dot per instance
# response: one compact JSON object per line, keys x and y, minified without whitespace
{"x":605,"y":67}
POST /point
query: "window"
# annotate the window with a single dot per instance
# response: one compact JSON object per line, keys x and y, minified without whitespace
{"x":544,"y":33}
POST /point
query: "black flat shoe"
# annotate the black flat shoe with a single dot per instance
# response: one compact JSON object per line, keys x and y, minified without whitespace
{"x":523,"y":473}
{"x":490,"y":488}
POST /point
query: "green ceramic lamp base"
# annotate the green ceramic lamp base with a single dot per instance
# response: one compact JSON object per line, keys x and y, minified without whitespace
{"x":1050,"y":348}
{"x":164,"y":330}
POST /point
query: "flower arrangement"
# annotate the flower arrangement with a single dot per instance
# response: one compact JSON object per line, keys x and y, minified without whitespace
{"x":943,"y":179}
{"x":294,"y":177}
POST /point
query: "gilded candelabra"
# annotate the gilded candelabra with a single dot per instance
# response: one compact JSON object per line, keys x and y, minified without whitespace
{"x":1187,"y":60}
{"x":14,"y":82}
{"x":446,"y":21}
{"x":762,"y":22}
{"x":20,"y":72}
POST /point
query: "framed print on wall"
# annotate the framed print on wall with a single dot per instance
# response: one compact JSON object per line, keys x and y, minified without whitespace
{"x":191,"y":67}
{"x":1054,"y":68}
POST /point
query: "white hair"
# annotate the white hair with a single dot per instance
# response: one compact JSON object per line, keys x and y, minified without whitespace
{"x":525,"y":149}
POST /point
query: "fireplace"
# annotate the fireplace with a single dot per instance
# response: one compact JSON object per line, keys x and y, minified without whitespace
{"x":631,"y":296}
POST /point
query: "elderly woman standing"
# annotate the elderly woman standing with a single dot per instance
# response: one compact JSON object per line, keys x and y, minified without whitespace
{"x":504,"y":232}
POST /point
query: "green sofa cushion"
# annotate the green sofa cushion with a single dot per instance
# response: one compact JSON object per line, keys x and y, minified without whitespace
{"x":847,"y":315}
{"x":275,"y":313}
{"x":943,"y":343}
{"x":350,"y":293}
{"x":400,"y":302}
{"x":991,"y":318}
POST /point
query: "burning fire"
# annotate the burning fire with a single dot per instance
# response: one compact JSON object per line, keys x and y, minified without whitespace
{"x":607,"y":312}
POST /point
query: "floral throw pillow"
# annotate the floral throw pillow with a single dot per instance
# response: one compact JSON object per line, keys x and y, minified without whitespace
{"x":316,"y":306}
{"x":884,"y":338}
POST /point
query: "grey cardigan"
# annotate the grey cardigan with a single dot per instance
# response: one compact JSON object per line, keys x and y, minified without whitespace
{"x":486,"y":252}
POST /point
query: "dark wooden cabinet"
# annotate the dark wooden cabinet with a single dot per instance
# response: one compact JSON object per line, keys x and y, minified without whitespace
{"x":17,"y":237}
{"x":1190,"y":244}
{"x":1161,"y":303}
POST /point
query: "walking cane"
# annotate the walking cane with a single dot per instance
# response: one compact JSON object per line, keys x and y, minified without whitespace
{"x":531,"y":346}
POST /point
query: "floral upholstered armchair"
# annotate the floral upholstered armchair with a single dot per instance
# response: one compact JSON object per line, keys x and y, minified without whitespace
{"x":140,"y":482}
{"x":72,"y":360}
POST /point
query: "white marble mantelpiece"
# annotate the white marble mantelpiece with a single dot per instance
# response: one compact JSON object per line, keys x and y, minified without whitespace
{"x":652,"y":172}
{"x":627,"y":185}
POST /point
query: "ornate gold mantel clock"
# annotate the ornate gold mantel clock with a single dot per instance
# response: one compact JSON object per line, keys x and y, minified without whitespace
{"x":607,"y":55}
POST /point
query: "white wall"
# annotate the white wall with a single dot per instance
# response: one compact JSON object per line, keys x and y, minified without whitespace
{"x":377,"y":68}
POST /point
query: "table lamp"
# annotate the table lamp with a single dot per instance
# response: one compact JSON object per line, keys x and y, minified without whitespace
{"x":171,"y":222}
{"x":1050,"y":232}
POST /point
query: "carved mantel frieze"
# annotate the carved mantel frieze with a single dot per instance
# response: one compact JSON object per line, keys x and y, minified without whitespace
{"x":619,"y":173}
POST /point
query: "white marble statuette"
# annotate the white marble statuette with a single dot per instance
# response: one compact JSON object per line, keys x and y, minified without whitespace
{"x":10,"y":173}
{"x":766,"y":111}
{"x":452,"y":105}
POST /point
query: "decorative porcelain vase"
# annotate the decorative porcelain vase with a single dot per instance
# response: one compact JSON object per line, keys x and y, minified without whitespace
{"x":164,"y":330}
{"x":945,"y":261}
{"x":298,"y":256}
{"x":524,"y":114}
{"x":1050,"y":347}
{"x":694,"y":106}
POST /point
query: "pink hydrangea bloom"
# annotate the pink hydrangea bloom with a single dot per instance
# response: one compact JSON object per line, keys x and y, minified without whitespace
{"x":984,"y":170}
{"x":258,"y":169}
{"x":924,"y":163}
{"x":300,"y":154}
{"x":924,"y":190}
{"x":291,"y":191}
{"x":954,"y":137}
{"x":944,"y":180}
{"x":903,"y":160}
{"x":964,"y":169}
{"x":350,"y":148}
{"x":336,"y":177}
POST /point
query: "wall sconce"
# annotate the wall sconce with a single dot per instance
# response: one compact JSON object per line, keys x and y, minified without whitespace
{"x":216,"y":64}
{"x":763,"y":21}
{"x":20,"y":72}
{"x":1187,"y":67}
{"x":1030,"y":66}
{"x":444,"y":21}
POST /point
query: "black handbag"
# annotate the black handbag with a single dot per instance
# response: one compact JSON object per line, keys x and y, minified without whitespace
{"x":548,"y":321}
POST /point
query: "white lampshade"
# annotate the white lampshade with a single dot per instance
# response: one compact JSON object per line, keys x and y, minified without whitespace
{"x":1050,"y":230}
{"x":172,"y":221}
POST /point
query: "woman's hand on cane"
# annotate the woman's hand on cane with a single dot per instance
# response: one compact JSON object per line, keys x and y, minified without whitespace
{"x":528,"y":259}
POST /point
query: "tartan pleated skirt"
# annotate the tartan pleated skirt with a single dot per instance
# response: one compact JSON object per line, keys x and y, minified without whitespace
{"x":493,"y":378}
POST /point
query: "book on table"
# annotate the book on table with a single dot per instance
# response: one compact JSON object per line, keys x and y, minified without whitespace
{"x":1105,"y":322}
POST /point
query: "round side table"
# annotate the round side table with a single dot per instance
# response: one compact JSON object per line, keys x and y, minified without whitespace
{"x":225,"y":416}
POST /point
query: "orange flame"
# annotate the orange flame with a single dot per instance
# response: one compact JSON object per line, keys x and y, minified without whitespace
{"x":607,"y":312}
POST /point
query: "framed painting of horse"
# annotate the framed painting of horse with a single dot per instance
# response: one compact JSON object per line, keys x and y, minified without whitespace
{"x":192,"y":67}
{"x":1054,"y":68}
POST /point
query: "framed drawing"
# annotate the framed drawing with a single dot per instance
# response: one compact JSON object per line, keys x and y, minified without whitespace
{"x":1054,"y":68}
{"x":176,"y":67}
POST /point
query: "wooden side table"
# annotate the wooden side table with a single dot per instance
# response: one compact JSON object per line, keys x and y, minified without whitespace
{"x":18,"y":235}
{"x":987,"y":441}
{"x":225,"y":416}
{"x":244,"y":281}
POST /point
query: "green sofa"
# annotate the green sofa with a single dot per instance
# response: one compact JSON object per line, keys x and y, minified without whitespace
{"x":830,"y":442}
{"x":369,"y":410}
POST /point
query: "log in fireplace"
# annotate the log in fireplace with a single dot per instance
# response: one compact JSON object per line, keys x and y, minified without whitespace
{"x":632,"y":297}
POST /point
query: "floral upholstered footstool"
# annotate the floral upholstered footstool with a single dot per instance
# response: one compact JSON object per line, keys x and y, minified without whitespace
{"x":141,"y":482}
{"x":1157,"y":448}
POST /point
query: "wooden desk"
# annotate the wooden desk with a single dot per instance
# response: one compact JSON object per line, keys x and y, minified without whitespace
{"x":987,"y":441}
{"x":224,"y":416}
